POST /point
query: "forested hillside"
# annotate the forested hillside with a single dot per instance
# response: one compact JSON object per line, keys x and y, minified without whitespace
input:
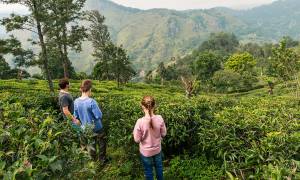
{"x":157,"y":35}
{"x":153,"y":36}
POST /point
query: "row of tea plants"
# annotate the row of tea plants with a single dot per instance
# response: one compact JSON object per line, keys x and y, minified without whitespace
{"x":214,"y":136}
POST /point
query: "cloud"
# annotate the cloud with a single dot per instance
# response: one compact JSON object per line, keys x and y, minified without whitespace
{"x":192,"y":4}
{"x":170,"y":4}
{"x":12,"y":8}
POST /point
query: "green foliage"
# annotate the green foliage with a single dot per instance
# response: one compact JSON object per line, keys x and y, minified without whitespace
{"x":254,"y":49}
{"x":284,"y":62}
{"x":205,"y":65}
{"x":194,"y":168}
{"x":256,"y":135}
{"x":64,"y":32}
{"x":112,"y":61}
{"x":230,"y":81}
{"x":223,"y":43}
{"x":227,"y":81}
{"x":38,"y":144}
{"x":56,"y":66}
{"x":245,"y":136}
{"x":4,"y":68}
{"x":82,"y":76}
{"x":37,"y":76}
{"x":290,"y":42}
{"x":161,"y":71}
{"x":241,"y":63}
{"x":21,"y":58}
{"x":34,"y":22}
{"x":115,"y":65}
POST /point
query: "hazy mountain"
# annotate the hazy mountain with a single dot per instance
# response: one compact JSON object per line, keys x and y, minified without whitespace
{"x":156,"y":35}
{"x":271,"y":22}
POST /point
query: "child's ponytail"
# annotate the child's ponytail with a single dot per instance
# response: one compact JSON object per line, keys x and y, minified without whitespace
{"x":149,"y":103}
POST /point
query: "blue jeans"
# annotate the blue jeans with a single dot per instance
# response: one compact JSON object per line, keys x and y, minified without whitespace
{"x":149,"y":162}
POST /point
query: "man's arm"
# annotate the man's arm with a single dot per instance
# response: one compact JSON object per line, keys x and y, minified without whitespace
{"x":64,"y":103}
{"x":96,"y":111}
{"x":69,"y":115}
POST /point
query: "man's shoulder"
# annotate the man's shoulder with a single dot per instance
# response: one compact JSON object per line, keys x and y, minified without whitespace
{"x":87,"y":100}
{"x":65,"y":95}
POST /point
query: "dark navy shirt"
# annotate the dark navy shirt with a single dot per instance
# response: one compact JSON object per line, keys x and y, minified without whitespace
{"x":66,"y":100}
{"x":88,"y":112}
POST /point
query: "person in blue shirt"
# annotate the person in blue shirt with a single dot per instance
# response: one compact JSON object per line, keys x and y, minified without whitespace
{"x":88,"y":112}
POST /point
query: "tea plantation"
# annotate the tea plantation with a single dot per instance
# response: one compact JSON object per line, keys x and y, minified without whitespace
{"x":213,"y":136}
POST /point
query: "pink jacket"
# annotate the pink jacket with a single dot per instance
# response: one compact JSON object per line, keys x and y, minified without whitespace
{"x":149,"y":139}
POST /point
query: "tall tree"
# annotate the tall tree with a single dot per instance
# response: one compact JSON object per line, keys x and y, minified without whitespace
{"x":63,"y":29}
{"x":103,"y":47}
{"x":284,"y":63}
{"x":121,"y":66}
{"x":34,"y":22}
{"x":104,"y":59}
{"x":4,"y":68}
{"x":115,"y":66}
{"x":21,"y":58}
{"x":112,"y":61}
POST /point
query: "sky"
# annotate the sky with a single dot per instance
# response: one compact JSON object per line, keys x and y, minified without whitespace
{"x":192,"y":4}
{"x":170,"y":4}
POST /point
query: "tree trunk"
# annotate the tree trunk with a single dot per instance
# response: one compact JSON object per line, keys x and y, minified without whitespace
{"x":66,"y":61}
{"x":118,"y":79}
{"x":60,"y":49}
{"x":43,"y":46}
{"x":20,"y":74}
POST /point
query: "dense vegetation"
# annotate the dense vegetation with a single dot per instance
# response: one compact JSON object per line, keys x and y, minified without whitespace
{"x":231,"y":108}
{"x":250,"y":135}
{"x":223,"y":64}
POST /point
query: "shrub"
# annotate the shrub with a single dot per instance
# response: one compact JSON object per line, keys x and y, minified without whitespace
{"x":227,"y":81}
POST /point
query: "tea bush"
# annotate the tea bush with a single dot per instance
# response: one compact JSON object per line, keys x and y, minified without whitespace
{"x":33,"y":144}
{"x":212,"y":136}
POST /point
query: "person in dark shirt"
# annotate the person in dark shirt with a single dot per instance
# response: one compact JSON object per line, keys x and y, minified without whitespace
{"x":66,"y":102}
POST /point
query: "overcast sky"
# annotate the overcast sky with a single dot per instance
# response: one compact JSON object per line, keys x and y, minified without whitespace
{"x":192,"y":4}
{"x":170,"y":4}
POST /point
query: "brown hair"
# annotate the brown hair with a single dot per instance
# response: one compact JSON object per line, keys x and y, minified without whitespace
{"x":86,"y":85}
{"x":149,"y":103}
{"x":63,"y":83}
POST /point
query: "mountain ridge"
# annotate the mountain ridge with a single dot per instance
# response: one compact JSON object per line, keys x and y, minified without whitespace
{"x":156,"y":35}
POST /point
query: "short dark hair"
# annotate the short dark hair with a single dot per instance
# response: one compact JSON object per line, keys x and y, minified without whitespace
{"x":63,"y":83}
{"x":86,"y":85}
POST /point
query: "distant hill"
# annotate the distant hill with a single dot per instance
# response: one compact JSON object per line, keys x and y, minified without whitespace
{"x":156,"y":35}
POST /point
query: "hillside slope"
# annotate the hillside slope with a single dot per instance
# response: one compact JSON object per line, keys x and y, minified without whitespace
{"x":156,"y":35}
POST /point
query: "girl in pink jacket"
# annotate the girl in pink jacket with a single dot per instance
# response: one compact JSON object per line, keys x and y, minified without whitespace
{"x":148,"y":132}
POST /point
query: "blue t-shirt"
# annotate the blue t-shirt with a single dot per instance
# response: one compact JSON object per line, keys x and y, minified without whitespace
{"x":88,"y":112}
